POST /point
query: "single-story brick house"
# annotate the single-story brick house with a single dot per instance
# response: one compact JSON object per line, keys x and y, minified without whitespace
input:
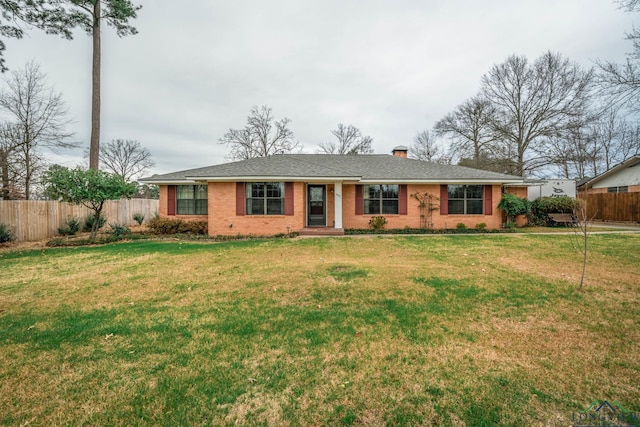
{"x":327,"y":192}
{"x":622,"y":178}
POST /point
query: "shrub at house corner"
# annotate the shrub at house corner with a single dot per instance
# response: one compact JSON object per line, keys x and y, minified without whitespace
{"x":89,"y":188}
{"x":513,"y":206}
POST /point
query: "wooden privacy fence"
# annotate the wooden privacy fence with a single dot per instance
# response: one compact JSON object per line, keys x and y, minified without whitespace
{"x":38,"y":219}
{"x":613,"y":206}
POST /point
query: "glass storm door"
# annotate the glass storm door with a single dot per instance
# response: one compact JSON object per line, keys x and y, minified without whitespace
{"x":316,"y":201}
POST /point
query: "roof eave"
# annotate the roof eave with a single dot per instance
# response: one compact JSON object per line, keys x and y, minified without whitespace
{"x":331,"y":179}
{"x":354,"y":179}
{"x":167,"y":181}
{"x":245,"y":178}
{"x":440,"y":181}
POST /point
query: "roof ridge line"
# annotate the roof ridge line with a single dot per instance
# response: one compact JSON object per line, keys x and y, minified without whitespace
{"x":322,"y":166}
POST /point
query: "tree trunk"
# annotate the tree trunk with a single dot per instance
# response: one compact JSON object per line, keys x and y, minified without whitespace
{"x":476,"y":154}
{"x":4,"y":165}
{"x":97,"y":213}
{"x":520,"y":164}
{"x":584,"y":264}
{"x":94,"y":148}
{"x":583,"y":228}
{"x":27,"y":174}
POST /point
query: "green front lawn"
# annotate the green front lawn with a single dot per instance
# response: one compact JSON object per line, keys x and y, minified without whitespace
{"x":434,"y":330}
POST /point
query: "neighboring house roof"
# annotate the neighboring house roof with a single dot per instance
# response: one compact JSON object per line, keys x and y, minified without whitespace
{"x":583,"y":181}
{"x":630,"y":162}
{"x":378,"y":168}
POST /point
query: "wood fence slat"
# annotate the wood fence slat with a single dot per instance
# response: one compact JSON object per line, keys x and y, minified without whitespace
{"x":621,"y":207}
{"x":40,"y":219}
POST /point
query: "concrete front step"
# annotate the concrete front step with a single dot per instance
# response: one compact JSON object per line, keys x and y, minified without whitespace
{"x":321,"y":231}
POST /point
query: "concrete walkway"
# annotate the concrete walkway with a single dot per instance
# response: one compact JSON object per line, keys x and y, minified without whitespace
{"x":634,"y":226}
{"x":616,"y":228}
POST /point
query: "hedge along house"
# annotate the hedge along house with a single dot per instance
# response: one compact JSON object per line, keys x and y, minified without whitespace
{"x":326,"y":193}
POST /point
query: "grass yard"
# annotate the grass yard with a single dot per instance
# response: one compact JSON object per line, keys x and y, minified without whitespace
{"x":433,"y":330}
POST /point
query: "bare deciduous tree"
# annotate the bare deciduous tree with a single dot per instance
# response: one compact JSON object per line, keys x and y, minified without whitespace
{"x":10,"y":140}
{"x":426,"y":148}
{"x":498,"y":163}
{"x":470,"y":128}
{"x":261,"y":137}
{"x":632,"y":145}
{"x":630,"y":5}
{"x":350,"y":141}
{"x":615,"y":138}
{"x":593,"y":145}
{"x":620,"y":83}
{"x":125,"y":158}
{"x":38,"y":116}
{"x":535,"y":101}
{"x":582,"y":232}
{"x":572,"y":151}
{"x":572,"y":154}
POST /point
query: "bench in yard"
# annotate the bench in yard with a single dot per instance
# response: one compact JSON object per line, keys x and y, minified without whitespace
{"x":563,"y":218}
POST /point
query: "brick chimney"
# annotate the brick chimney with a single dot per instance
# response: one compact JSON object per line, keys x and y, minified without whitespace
{"x":400,"y":151}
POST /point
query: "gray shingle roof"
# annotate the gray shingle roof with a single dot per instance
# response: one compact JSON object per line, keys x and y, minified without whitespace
{"x":366,"y":167}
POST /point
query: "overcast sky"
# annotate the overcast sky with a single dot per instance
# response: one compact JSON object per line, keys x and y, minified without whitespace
{"x":391,"y":68}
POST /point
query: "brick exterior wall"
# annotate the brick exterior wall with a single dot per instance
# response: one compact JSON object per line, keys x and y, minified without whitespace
{"x":331,"y":210}
{"x":412,"y":219}
{"x":522,"y":192}
{"x":596,"y":190}
{"x":163,"y":209}
{"x":224,"y":221}
{"x":163,"y":200}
